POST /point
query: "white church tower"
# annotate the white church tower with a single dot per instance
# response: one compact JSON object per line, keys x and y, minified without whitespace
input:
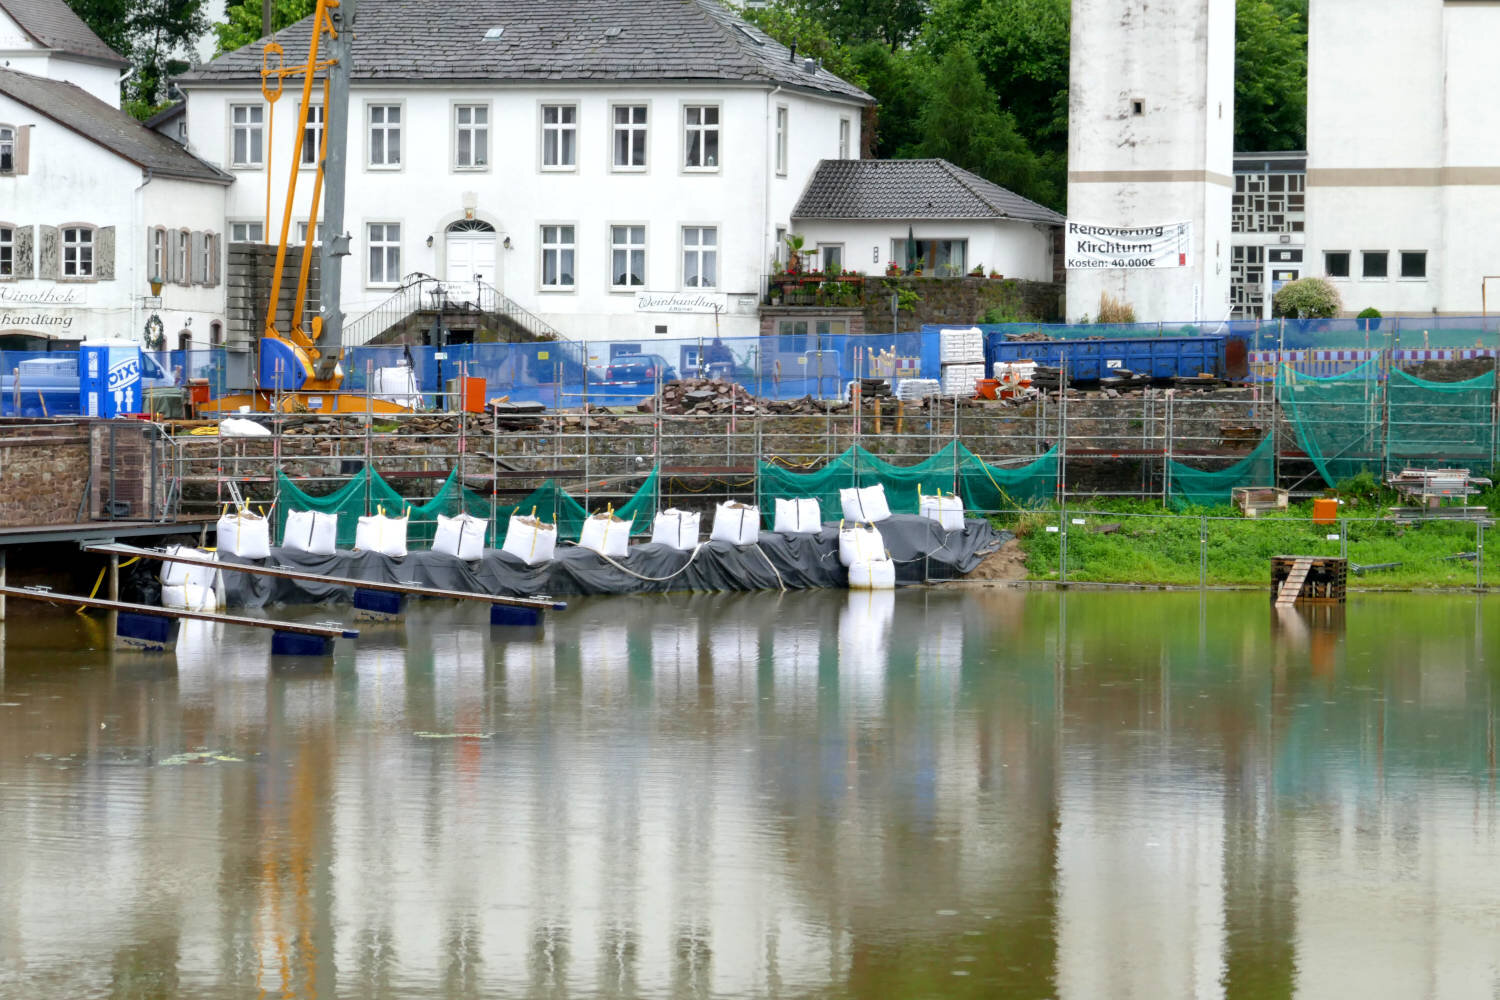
{"x":1151,"y":143}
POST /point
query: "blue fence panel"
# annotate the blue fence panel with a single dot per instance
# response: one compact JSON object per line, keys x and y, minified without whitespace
{"x":39,"y":383}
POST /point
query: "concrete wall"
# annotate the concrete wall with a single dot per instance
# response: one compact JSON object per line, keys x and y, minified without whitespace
{"x":1404,"y":161}
{"x":745,"y":198}
{"x":1172,"y":162}
{"x":20,"y":52}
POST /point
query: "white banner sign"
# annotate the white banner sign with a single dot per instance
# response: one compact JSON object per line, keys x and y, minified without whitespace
{"x":1094,"y":247}
{"x":678,"y":302}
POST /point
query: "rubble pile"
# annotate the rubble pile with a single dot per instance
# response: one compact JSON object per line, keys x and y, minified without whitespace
{"x":689,"y":396}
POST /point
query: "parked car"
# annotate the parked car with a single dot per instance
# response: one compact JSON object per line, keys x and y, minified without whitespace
{"x":639,"y":368}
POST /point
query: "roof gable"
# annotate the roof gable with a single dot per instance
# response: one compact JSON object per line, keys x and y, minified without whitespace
{"x":53,"y":25}
{"x":107,"y":126}
{"x":559,"y":40}
{"x":911,"y":189}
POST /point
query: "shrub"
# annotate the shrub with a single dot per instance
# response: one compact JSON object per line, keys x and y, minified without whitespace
{"x":1369,"y":312}
{"x":1308,"y":298}
{"x":1113,"y":310}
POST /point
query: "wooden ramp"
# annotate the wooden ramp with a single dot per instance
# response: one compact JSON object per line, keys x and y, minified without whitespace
{"x":1291,"y":587}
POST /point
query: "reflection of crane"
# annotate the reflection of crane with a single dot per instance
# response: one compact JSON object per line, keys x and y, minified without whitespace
{"x":305,"y":360}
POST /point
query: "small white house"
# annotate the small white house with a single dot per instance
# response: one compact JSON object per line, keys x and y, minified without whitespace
{"x":619,"y":168}
{"x":93,"y":204}
{"x":870,"y":215}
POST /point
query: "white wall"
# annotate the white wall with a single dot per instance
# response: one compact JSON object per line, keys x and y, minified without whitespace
{"x":1171,"y":163}
{"x":1015,"y":249}
{"x":743,"y":199}
{"x":20,"y":53}
{"x":1404,"y":161}
{"x":73,"y":180}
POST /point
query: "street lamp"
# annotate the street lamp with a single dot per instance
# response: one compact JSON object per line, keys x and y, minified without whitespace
{"x":438,"y":293}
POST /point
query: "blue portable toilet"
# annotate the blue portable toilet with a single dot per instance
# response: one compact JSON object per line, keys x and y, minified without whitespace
{"x":109,"y":378}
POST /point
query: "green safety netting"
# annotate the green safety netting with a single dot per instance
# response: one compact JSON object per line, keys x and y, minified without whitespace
{"x":1205,"y":489}
{"x":982,"y":486}
{"x":368,"y":492}
{"x":1447,"y":423}
{"x":1337,"y":420}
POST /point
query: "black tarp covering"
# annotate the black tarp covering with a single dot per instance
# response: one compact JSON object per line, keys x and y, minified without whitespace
{"x":921,"y":549}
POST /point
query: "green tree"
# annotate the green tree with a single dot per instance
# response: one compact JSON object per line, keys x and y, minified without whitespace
{"x":961,"y":122}
{"x":109,"y":19}
{"x":894,"y":23}
{"x":894,"y":78}
{"x":155,"y":35}
{"x":1270,"y":75}
{"x":242,"y":21}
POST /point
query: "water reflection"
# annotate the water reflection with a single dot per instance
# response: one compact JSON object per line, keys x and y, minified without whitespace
{"x":875,"y":795}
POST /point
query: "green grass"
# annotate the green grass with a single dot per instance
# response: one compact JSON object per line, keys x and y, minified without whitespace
{"x":1157,"y":545}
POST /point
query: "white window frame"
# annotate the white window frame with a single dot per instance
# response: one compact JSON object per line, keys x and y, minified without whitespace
{"x":822,"y":260}
{"x":8,"y":148}
{"x":556,"y":245}
{"x":300,"y":233}
{"x":182,"y":255}
{"x":630,"y":128}
{"x":1401,"y":265}
{"x":252,"y":130}
{"x":312,"y":137}
{"x":390,"y":277}
{"x":783,"y":126}
{"x":385,"y":129}
{"x":698,"y":250}
{"x":247,"y":223}
{"x":210,"y":259}
{"x":846,"y":132}
{"x":161,"y":263}
{"x":1365,"y":277}
{"x":7,"y":252}
{"x":1339,"y":277}
{"x":629,"y":247}
{"x":83,"y":264}
{"x":559,"y":130}
{"x":699,"y":131}
{"x":474,"y":129}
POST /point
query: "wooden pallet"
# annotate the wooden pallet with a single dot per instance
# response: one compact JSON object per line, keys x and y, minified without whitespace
{"x":1308,"y":580}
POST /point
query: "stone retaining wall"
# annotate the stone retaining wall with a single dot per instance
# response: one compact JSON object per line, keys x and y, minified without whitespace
{"x":44,"y":470}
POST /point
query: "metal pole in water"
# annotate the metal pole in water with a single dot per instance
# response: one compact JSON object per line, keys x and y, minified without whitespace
{"x":1203,"y":553}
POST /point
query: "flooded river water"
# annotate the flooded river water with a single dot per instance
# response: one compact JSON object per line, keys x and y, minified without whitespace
{"x":932,"y":793}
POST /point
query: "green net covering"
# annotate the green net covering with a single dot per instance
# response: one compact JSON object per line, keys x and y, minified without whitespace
{"x":953,"y":469}
{"x":1441,"y":423}
{"x":1337,"y":420}
{"x":368,"y":492}
{"x":1205,"y":489}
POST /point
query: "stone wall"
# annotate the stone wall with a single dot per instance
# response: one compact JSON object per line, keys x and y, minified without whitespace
{"x":44,"y":471}
{"x":962,"y":300}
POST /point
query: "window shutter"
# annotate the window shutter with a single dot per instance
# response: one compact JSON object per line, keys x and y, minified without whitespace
{"x":195,"y":258}
{"x":104,"y":253}
{"x":215,"y":248}
{"x":23,"y":149}
{"x":24,"y":251}
{"x":49,"y":258}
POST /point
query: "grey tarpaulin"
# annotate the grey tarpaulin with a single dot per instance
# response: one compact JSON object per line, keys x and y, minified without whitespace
{"x":919,"y":546}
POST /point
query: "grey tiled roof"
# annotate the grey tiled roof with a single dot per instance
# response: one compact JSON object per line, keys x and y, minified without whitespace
{"x":549,"y":40}
{"x":911,"y":189}
{"x":106,"y":125}
{"x":53,"y":24}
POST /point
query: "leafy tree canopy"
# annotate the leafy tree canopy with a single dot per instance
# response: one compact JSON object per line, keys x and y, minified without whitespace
{"x":1270,"y":75}
{"x":242,"y":20}
{"x":155,"y":35}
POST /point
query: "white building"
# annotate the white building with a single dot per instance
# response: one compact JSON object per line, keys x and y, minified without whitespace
{"x":1269,"y":224}
{"x":1150,"y":142}
{"x":618,"y":169}
{"x":92,"y":203}
{"x":1403,"y":174}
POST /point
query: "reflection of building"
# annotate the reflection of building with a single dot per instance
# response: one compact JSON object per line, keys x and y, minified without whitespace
{"x":1269,"y":211}
{"x":92,"y":203}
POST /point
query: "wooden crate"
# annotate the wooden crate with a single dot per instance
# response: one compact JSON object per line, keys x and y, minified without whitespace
{"x":1326,"y":582}
{"x":1251,"y":501}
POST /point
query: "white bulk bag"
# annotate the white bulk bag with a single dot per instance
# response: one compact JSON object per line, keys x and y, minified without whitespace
{"x":530,"y":540}
{"x":948,"y":511}
{"x":605,"y":534}
{"x":239,"y":427}
{"x":461,"y":536}
{"x":799,"y":516}
{"x":245,"y":535}
{"x":190,"y":596}
{"x":378,"y":533}
{"x":865,"y":503}
{"x":860,"y":542}
{"x":877,"y":574}
{"x":315,"y":532}
{"x":397,"y":385}
{"x":176,"y":574}
{"x":677,"y":528}
{"x":736,"y":522}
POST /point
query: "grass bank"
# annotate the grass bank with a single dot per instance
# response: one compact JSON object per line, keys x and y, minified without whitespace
{"x":1126,"y":541}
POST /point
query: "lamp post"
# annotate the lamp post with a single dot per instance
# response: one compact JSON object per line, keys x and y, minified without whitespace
{"x":437,"y":293}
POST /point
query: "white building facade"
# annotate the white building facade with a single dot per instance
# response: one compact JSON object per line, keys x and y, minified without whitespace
{"x":1403,"y":173}
{"x":610,"y":200}
{"x":1150,"y":143}
{"x":93,"y":205}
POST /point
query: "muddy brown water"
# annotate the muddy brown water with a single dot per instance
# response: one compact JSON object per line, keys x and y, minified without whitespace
{"x":935,"y":793}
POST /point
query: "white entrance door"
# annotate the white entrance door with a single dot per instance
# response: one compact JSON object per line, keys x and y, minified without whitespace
{"x":469,"y":259}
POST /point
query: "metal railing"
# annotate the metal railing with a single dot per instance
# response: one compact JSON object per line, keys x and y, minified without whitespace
{"x":423,"y":294}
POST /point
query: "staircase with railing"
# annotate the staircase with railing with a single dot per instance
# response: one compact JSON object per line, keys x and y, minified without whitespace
{"x":460,"y":305}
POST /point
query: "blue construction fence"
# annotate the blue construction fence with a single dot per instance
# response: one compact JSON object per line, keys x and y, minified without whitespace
{"x":45,"y":383}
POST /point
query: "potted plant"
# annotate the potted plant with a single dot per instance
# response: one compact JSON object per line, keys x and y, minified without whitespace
{"x":892,"y":270}
{"x":978,"y":271}
{"x":996,"y":275}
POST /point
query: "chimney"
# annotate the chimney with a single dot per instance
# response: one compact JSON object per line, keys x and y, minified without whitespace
{"x":792,"y":57}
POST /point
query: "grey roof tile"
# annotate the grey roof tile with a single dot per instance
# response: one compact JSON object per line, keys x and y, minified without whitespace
{"x":106,"y":125}
{"x":53,"y":24}
{"x":911,"y":189}
{"x":563,"y":40}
